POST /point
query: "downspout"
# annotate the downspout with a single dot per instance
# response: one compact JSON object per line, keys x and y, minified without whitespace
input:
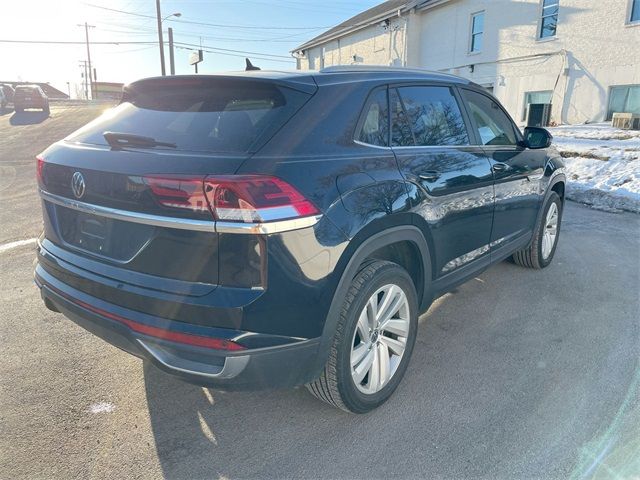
{"x":405,"y":46}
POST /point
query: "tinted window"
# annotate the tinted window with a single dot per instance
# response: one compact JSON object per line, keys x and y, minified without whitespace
{"x":217,"y":115}
{"x":434,"y":116}
{"x":493,"y":125}
{"x":401,"y":134}
{"x":375,"y":123}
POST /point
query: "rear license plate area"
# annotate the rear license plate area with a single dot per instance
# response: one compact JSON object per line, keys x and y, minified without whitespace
{"x":106,"y":237}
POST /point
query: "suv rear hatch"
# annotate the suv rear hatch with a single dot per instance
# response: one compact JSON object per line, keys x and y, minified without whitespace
{"x":134,"y":188}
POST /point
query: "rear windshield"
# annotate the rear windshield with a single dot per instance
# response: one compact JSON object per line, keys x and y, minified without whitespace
{"x":27,"y":90}
{"x":233,"y":116}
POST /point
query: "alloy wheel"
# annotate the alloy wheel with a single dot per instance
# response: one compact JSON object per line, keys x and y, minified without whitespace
{"x":380,"y":339}
{"x":550,"y":231}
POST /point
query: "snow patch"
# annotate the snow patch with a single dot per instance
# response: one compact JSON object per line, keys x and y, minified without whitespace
{"x":603,"y":165}
{"x":102,"y":407}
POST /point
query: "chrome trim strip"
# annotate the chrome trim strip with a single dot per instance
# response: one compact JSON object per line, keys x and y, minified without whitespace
{"x":183,"y":223}
{"x":420,"y":147}
{"x":365,"y":144}
{"x":267,"y":228}
{"x":232,"y":367}
{"x":135,"y":217}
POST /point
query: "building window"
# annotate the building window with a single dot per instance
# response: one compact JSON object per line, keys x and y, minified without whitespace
{"x":635,"y":11}
{"x":549,"y":22}
{"x":624,"y":99}
{"x":535,"y":97}
{"x":477,"y":32}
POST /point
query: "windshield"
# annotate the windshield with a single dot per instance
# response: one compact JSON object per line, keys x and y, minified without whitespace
{"x":222,"y":116}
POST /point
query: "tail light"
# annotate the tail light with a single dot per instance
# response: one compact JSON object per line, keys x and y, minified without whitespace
{"x":233,"y":198}
{"x":185,"y":193}
{"x":254,"y":198}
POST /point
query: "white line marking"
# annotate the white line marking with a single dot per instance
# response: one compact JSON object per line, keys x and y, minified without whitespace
{"x":19,"y":243}
{"x":102,"y":407}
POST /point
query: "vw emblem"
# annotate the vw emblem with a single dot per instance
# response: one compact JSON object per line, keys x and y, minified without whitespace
{"x":78,"y":185}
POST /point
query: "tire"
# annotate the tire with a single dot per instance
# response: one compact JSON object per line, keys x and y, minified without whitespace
{"x":337,"y":385}
{"x":536,"y":255}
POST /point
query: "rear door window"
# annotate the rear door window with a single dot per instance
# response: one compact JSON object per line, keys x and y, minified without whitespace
{"x":401,"y":134}
{"x":434,"y":116}
{"x":217,"y":115}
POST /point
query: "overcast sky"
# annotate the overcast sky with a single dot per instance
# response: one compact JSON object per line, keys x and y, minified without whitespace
{"x":231,"y":25}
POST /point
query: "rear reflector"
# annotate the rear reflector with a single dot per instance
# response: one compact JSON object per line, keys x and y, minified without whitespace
{"x":164,"y":334}
{"x":39,"y":167}
{"x":232,"y":198}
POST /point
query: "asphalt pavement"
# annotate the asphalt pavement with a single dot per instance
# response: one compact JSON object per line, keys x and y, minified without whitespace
{"x":516,"y":374}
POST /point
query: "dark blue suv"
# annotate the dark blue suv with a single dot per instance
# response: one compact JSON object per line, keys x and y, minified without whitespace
{"x":273,"y":229}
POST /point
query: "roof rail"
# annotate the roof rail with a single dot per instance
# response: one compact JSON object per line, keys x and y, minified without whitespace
{"x":373,"y":68}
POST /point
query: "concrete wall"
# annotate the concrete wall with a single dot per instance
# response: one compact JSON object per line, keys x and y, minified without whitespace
{"x":594,"y":49}
{"x":373,"y":45}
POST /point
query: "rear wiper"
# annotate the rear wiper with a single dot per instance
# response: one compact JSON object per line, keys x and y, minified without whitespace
{"x":119,"y":140}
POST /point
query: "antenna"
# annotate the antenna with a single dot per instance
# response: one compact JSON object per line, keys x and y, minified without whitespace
{"x":250,"y":66}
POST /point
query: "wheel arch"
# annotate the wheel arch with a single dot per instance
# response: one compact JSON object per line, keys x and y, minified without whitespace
{"x":367,"y":245}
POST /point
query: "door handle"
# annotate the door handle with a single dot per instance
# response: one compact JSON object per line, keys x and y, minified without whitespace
{"x":500,"y":167}
{"x":429,"y":176}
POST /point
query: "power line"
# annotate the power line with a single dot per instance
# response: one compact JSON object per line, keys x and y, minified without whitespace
{"x":235,"y":51}
{"x":188,"y":46}
{"x":233,"y":54}
{"x":219,"y":25}
{"x":62,"y":42}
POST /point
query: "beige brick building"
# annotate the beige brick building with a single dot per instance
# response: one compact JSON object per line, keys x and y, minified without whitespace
{"x":583,"y":56}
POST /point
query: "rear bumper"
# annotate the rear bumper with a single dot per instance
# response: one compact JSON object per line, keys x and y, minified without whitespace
{"x":280,"y":366}
{"x":30,"y":104}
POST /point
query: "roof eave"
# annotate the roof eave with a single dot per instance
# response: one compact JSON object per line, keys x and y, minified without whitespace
{"x":354,"y":28}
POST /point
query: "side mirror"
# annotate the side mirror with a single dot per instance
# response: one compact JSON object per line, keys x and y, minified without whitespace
{"x":536,"y":137}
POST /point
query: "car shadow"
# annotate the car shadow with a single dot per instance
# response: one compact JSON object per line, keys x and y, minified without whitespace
{"x":5,"y":111}
{"x":28,"y":118}
{"x":206,"y":433}
{"x":493,"y":390}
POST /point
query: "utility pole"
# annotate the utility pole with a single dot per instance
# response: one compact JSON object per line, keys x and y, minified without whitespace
{"x":160,"y":40}
{"x":172,"y":66}
{"x":86,"y":33}
{"x":94,"y":92}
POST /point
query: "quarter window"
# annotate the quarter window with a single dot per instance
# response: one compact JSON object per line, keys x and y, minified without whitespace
{"x":375,"y":123}
{"x":549,"y":22}
{"x":477,"y":32}
{"x":494,"y":127}
{"x":624,"y":99}
{"x":635,"y":11}
{"x":434,"y":116}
